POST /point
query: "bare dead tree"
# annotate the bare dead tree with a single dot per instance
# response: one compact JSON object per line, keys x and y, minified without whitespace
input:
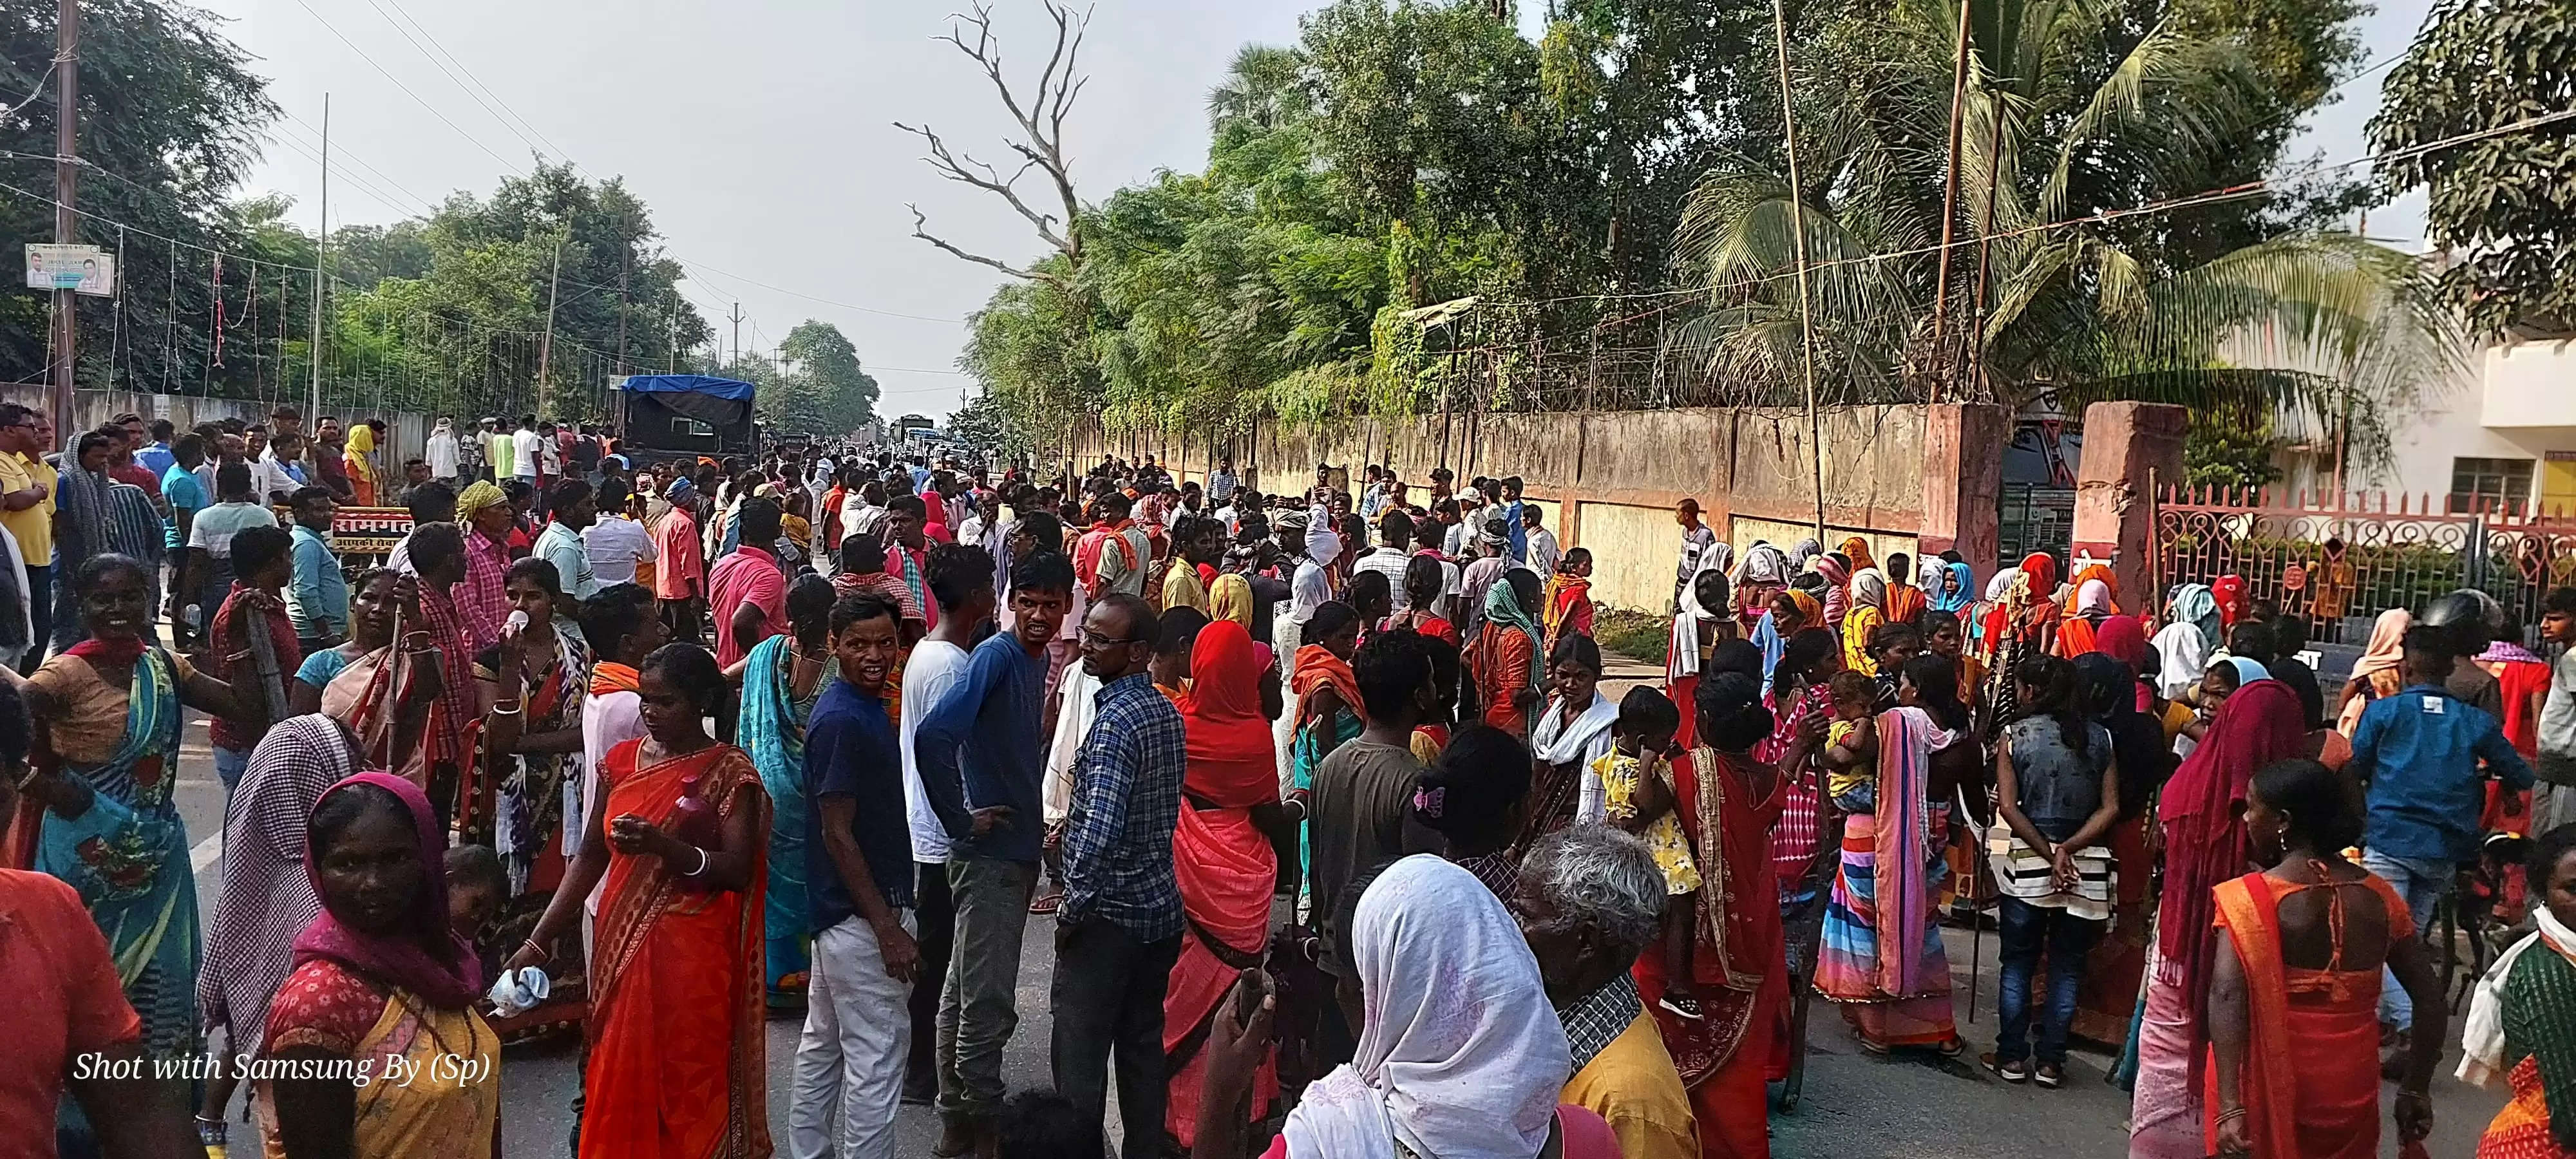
{"x":1040,"y":143}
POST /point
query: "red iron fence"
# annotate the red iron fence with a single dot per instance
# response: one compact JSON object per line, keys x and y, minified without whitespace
{"x":2338,"y":561}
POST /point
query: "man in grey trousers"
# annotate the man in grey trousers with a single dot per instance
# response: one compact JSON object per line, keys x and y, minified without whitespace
{"x":981,"y":763}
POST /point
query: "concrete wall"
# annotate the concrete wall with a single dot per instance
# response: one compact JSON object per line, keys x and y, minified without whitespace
{"x":1608,"y":481}
{"x":407,"y":432}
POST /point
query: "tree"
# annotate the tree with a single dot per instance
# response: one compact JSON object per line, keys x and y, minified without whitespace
{"x":1040,"y":115}
{"x":2058,"y":291}
{"x":2503,"y":205}
{"x":844,"y":394}
{"x":170,"y":122}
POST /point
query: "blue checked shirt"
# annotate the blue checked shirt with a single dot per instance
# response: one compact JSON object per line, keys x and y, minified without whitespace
{"x":1126,"y":801}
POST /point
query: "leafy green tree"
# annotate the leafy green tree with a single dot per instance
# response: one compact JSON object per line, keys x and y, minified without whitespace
{"x":170,"y":121}
{"x":2054,"y":293}
{"x":845,"y":394}
{"x":2503,"y":205}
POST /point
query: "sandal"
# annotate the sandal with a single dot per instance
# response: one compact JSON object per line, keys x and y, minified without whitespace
{"x":1952,"y":1049}
{"x":1046,"y":904}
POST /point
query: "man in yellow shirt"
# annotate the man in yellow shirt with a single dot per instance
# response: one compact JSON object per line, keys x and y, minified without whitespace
{"x":27,"y":510}
{"x":1590,"y":899}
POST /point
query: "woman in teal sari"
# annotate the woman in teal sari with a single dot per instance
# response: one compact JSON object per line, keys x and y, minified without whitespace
{"x":105,"y":762}
{"x":781,"y":679}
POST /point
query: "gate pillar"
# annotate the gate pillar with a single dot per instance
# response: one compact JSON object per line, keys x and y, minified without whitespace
{"x":1963,"y":463}
{"x":2125,"y":444}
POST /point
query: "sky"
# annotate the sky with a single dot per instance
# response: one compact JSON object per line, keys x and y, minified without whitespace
{"x":760,"y":135}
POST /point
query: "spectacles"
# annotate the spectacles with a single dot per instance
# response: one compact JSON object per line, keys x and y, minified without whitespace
{"x":1097,"y":640}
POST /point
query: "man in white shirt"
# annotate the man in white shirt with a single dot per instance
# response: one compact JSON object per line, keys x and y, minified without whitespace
{"x":1543,"y":552}
{"x":1222,"y":481}
{"x":622,"y":629}
{"x":618,"y":541}
{"x":442,"y":451}
{"x":280,"y":472}
{"x":524,"y":449}
{"x":986,"y":530}
{"x":1394,"y":552}
{"x":936,"y":665}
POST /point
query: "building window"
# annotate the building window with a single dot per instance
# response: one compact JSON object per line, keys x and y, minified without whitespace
{"x":2490,"y":485}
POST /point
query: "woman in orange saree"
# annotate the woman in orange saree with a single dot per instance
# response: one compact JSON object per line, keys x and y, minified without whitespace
{"x":2294,"y":997}
{"x":1223,"y":859}
{"x":680,"y":831}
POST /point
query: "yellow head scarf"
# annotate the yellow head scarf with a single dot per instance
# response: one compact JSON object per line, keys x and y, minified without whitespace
{"x":362,"y":439}
{"x":478,"y":497}
{"x":1232,"y":598}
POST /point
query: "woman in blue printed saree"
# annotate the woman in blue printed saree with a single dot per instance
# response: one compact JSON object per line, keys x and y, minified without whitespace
{"x":107,"y":715}
{"x":782,"y":678}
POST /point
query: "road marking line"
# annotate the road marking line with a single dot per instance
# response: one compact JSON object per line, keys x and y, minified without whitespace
{"x":207,"y":852}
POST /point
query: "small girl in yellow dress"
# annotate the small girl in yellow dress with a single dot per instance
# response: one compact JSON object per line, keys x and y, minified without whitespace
{"x":1637,"y":794}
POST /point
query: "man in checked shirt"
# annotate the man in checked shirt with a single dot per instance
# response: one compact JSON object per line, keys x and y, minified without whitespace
{"x":1119,"y":930}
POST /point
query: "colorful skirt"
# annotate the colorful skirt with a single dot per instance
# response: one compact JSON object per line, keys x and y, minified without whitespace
{"x":1847,"y":964}
{"x":2521,"y":1129}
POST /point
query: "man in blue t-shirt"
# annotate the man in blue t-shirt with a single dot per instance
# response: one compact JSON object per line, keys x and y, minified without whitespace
{"x":858,"y":863}
{"x":186,"y":494}
{"x":2417,"y":756}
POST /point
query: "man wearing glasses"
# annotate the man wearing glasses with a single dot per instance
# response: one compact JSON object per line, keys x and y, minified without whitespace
{"x":1119,"y":930}
{"x":27,"y":510}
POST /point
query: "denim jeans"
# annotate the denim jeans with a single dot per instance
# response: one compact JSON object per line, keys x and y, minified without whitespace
{"x":230,"y":764}
{"x":2421,"y":883}
{"x":2027,"y":931}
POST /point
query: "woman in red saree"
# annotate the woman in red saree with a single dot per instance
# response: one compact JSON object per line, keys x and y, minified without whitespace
{"x":1727,"y":801}
{"x":2294,"y":995}
{"x":680,"y":831}
{"x":1223,"y":859}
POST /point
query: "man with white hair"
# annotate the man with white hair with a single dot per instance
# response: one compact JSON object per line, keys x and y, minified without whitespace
{"x":1590,"y":899}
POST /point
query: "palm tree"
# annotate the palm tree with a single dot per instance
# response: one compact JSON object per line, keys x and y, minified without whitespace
{"x":2064,"y":284}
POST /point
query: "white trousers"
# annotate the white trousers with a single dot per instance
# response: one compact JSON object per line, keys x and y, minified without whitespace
{"x":849,"y":1063}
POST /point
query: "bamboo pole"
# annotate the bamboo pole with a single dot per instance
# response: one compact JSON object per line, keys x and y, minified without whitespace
{"x":1950,"y":206}
{"x":1798,"y":238}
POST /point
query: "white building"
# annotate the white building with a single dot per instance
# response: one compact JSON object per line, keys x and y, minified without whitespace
{"x":2506,"y":439}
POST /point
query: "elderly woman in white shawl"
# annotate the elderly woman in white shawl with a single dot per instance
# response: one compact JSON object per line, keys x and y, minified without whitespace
{"x":1460,"y":1055}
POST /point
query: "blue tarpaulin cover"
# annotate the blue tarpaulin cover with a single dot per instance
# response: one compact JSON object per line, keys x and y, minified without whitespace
{"x":724,"y":388}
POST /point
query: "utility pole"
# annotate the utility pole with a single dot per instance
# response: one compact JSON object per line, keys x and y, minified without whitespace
{"x":737,"y":331}
{"x":546,"y":343}
{"x":625,"y":260}
{"x":1798,"y":238}
{"x":66,"y":318}
{"x":321,"y":268}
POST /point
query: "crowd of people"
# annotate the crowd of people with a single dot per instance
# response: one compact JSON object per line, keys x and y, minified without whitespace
{"x":1345,"y":846}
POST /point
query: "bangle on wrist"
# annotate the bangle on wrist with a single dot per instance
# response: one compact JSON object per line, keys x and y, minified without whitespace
{"x":703,"y":861}
{"x":532,"y":947}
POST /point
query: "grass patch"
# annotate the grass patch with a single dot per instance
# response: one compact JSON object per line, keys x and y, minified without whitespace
{"x":1633,"y":634}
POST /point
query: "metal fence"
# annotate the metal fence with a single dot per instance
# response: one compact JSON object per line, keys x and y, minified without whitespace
{"x":2035,"y":517}
{"x":2338,"y":563}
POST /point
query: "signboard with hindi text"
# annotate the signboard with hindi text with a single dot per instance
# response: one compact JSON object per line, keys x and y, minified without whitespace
{"x":84,"y":269}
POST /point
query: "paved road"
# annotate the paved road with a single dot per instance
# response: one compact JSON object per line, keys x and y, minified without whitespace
{"x":1856,"y":1106}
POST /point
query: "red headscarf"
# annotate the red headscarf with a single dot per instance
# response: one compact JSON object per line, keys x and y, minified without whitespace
{"x":425,"y":958}
{"x":2204,"y":822}
{"x":1232,"y":764}
{"x":2124,"y":639}
{"x":2232,"y":600}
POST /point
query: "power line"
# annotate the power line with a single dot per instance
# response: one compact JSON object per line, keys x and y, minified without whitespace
{"x":406,"y":89}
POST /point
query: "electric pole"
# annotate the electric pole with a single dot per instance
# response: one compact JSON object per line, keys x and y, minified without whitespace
{"x":321,"y":268}
{"x":737,"y":317}
{"x":66,"y":318}
{"x":625,"y":260}
{"x":546,"y":344}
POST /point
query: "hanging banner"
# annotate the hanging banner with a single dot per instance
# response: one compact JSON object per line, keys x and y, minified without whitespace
{"x":84,"y":269}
